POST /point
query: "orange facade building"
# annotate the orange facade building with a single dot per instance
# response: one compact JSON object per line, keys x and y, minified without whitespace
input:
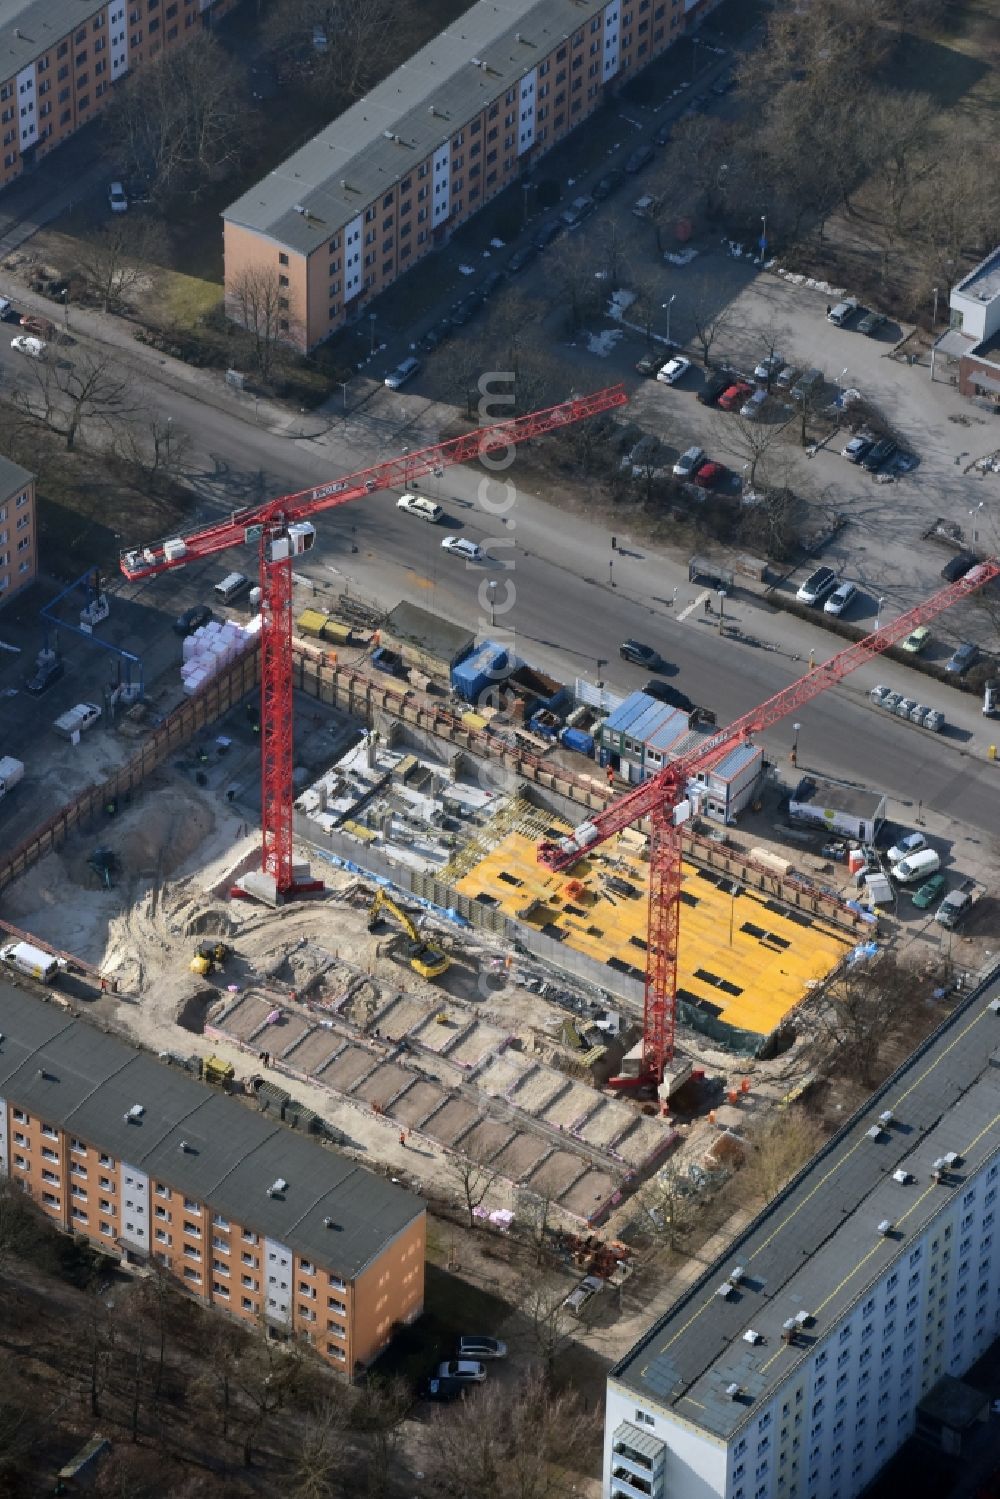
{"x":18,"y":530}
{"x":249,"y":1217}
{"x":391,"y":178}
{"x":59,"y":59}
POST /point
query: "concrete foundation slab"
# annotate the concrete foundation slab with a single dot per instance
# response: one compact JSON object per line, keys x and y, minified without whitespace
{"x":348,"y":1068}
{"x":570,"y":1107}
{"x":476,"y":1045}
{"x":437,"y":1034}
{"x":556,"y":1174}
{"x":589,"y":1194}
{"x":288,"y":1033}
{"x":312,"y":1053}
{"x":538,"y":1090}
{"x":452,"y":1121}
{"x":383,"y":1084}
{"x":521,"y":1156}
{"x":643,"y":1140}
{"x":500,"y":1075}
{"x":400,"y":1016}
{"x":486,"y":1139}
{"x":247,"y":1017}
{"x":419,"y":1100}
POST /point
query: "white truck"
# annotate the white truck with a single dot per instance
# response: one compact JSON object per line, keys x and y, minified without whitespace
{"x":34,"y":961}
{"x":11,"y":771}
{"x":77,"y":720}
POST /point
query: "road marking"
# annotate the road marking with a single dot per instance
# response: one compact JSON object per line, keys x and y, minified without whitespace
{"x":696,"y":603}
{"x":420,"y":582}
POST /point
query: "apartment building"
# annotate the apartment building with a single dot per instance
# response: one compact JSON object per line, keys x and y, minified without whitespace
{"x":59,"y":59}
{"x":18,"y":530}
{"x":249,"y":1217}
{"x":391,"y":178}
{"x":793,"y":1368}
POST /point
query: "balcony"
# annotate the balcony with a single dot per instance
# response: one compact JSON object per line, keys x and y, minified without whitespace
{"x":631,"y":1484}
{"x":638,"y":1462}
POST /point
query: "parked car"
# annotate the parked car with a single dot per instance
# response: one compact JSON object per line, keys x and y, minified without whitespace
{"x":856,"y":449}
{"x":435,"y":336}
{"x":787,"y":377}
{"x":469,"y":1370}
{"x":842,"y":313}
{"x":871,"y":323}
{"x":664,"y":692}
{"x":45,"y":675}
{"x":953,"y":908}
{"x":674,"y":370}
{"x":807,"y":385}
{"x":640,"y":654}
{"x":772,"y":364}
{"x":547,"y":233}
{"x":444,"y":1389}
{"x":958,"y":566}
{"x":117,"y":199}
{"x":649,"y":364}
{"x":752,"y":410}
{"x":959,"y":663}
{"x":709,"y":475}
{"x":462,"y":547}
{"x":734,"y":396}
{"x":911,"y":844}
{"x":840,"y":598}
{"x":689,"y":462}
{"x":929,"y":893}
{"x":643,"y":456}
{"x":816,"y":587}
{"x":521,"y":258}
{"x":916,"y":641}
{"x":609,"y":183}
{"x":24,"y":343}
{"x":192,"y":619}
{"x":917,"y":868}
{"x":578,"y":210}
{"x":646,"y":206}
{"x":640,"y":158}
{"x":481,"y":1348}
{"x":403,"y":372}
{"x":39,"y":326}
{"x":713,"y":388}
{"x":463,"y":310}
{"x":879,"y":455}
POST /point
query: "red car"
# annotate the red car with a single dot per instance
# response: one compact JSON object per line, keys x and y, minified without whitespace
{"x":734,"y":397}
{"x":710,"y":475}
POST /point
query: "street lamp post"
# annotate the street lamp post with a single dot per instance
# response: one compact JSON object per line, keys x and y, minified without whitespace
{"x":722,"y":608}
{"x":735,"y":891}
{"x":934,"y":318}
{"x":667,"y":306}
{"x":600,"y":680}
{"x":973,"y":513}
{"x":878,"y":614}
{"x":763,"y":235}
{"x":794,"y":756}
{"x":343,"y":385}
{"x":371,"y":324}
{"x":492,"y":585}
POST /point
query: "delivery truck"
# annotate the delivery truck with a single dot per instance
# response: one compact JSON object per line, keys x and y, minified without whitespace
{"x":77,"y":720}
{"x":31,"y":960}
{"x":11,"y":771}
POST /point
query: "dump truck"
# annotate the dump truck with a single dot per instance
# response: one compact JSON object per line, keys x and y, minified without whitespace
{"x":11,"y":771}
{"x":77,"y":720}
{"x":31,"y":960}
{"x":429,"y":962}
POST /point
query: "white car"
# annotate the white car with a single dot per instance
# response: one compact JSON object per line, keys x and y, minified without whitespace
{"x":462,"y":1368}
{"x":420,"y":506}
{"x":689,"y":463}
{"x":751,"y":410}
{"x":34,"y":347}
{"x":401,"y":374}
{"x":840,"y":598}
{"x":470,"y":550}
{"x":907,"y":847}
{"x":673,"y":370}
{"x":769,"y":366}
{"x":117,"y":201}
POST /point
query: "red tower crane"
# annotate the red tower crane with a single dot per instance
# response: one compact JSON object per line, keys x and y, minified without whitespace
{"x":283,"y":530}
{"x":663,"y":799}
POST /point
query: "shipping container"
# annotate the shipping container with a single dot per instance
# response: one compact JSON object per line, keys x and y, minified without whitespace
{"x":487,"y":667}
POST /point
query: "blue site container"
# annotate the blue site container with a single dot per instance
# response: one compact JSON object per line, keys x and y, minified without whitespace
{"x":485,"y":668}
{"x":576,"y":739}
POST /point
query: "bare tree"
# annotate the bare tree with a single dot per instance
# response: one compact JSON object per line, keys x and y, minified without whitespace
{"x":519,"y":1441}
{"x":185,"y":120}
{"x":268,"y":1374}
{"x":355,"y":42}
{"x":153,"y":445}
{"x":709,"y":315}
{"x":534,"y":1209}
{"x":571,"y":270}
{"x":90,"y":392}
{"x":473,"y":1178}
{"x":379,"y":1414}
{"x":668,"y":1206}
{"x":778,"y":1147}
{"x":750,"y":439}
{"x":257,"y":301}
{"x":899,"y":128}
{"x":322,"y":1455}
{"x":542,"y":1302}
{"x":862,"y":1010}
{"x":114,"y":259}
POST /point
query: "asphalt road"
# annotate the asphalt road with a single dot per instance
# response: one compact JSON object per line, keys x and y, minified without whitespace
{"x":564,"y":614}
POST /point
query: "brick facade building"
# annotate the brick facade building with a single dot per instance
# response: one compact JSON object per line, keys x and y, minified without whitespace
{"x":18,"y":530}
{"x":391,"y":178}
{"x":248,"y":1216}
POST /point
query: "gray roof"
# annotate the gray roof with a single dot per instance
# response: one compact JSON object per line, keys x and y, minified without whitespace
{"x":855,"y":801}
{"x":983,"y":281}
{"x":29,"y":27}
{"x":429,"y":632}
{"x":817,"y":1248}
{"x":84,"y":1081}
{"x":13,"y":477}
{"x":423,"y":102}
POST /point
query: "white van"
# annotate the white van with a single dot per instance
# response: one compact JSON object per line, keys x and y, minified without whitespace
{"x":232,"y":585}
{"x":919,"y":866}
{"x":423,"y":509}
{"x":842,"y":312}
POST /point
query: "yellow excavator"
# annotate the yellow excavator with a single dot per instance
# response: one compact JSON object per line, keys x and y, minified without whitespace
{"x":429,"y":962}
{"x":209,"y":956}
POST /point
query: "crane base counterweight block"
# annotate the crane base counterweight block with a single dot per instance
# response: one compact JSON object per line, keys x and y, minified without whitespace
{"x":257,"y":884}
